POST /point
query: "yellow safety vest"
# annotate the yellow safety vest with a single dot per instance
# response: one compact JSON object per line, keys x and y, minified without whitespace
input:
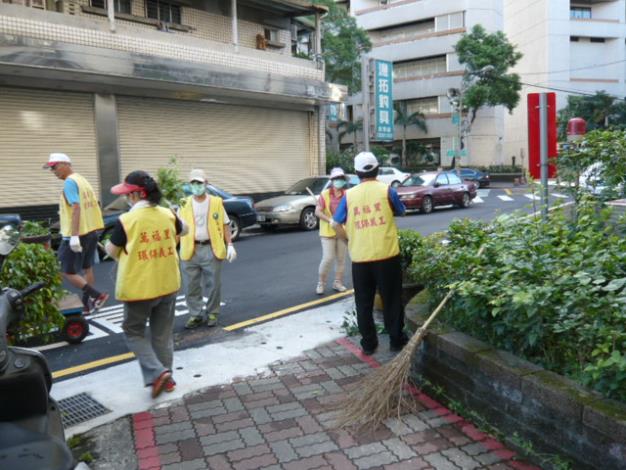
{"x":370,"y":226}
{"x":90,"y":213}
{"x":215,"y":226}
{"x":325,"y":229}
{"x":148,"y":264}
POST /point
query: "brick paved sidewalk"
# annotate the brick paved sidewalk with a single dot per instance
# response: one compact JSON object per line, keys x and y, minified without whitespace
{"x":285,"y":421}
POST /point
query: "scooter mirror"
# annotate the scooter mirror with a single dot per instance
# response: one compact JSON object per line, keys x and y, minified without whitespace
{"x":9,"y":237}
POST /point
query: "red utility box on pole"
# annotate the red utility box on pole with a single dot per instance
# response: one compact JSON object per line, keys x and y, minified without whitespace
{"x":534,"y":134}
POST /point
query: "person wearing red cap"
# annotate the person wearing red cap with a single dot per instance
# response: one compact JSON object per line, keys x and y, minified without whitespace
{"x":148,"y":277}
{"x":80,"y":219}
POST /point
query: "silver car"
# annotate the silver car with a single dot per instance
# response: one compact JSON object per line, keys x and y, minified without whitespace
{"x":296,"y":206}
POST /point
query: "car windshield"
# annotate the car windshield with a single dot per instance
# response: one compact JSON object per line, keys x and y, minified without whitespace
{"x":219,"y":192}
{"x":316,"y":185}
{"x":118,"y":204}
{"x":419,"y":180}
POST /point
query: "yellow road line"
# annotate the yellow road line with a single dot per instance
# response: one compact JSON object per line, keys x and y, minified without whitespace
{"x":287,"y":311}
{"x":508,"y":191}
{"x":92,"y":365}
{"x":237,"y":326}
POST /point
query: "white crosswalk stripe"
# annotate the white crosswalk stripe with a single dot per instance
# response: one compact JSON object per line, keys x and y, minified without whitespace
{"x":483,"y":192}
{"x":478,"y":200}
{"x":561,"y":196}
{"x":505,"y":198}
{"x":532,"y":197}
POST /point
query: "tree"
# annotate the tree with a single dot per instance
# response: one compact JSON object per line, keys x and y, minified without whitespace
{"x":601,"y":111}
{"x":404,"y":119}
{"x":349,"y":127}
{"x":343,"y":42}
{"x":486,"y":82}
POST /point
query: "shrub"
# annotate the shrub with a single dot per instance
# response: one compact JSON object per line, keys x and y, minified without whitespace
{"x":26,"y":265}
{"x":554,"y":293}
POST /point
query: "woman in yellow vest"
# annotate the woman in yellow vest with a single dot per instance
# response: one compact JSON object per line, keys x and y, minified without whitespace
{"x":333,"y":248}
{"x":148,"y":278}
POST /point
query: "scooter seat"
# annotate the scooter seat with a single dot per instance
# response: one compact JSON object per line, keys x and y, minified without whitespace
{"x":24,"y":449}
{"x":24,"y":393}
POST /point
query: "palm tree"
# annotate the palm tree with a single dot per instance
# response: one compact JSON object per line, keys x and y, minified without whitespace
{"x":349,"y":127}
{"x":404,"y":119}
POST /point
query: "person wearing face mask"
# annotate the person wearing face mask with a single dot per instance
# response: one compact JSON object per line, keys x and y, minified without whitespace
{"x":148,"y":277}
{"x":203,"y":250}
{"x":333,"y":248}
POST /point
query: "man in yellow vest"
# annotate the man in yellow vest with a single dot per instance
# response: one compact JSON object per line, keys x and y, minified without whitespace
{"x":80,"y":218}
{"x":365,"y":216}
{"x":203,"y":250}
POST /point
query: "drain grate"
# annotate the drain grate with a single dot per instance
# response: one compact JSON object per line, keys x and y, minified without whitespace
{"x":80,"y":408}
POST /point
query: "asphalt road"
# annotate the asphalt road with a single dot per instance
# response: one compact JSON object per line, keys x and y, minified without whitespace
{"x":273,"y":271}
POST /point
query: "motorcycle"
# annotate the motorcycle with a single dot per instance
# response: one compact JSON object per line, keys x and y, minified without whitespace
{"x":31,"y":426}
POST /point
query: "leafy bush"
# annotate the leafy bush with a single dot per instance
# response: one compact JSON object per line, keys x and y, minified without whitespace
{"x":170,"y":184}
{"x":554,"y":293}
{"x":26,"y":265}
{"x":31,"y":228}
{"x":343,"y":160}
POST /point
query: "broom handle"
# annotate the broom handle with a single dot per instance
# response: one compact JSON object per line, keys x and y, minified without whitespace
{"x":445,"y":300}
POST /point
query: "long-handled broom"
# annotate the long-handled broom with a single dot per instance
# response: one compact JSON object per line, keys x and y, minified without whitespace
{"x":383,"y":393}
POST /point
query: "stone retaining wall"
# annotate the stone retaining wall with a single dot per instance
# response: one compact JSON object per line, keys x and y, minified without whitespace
{"x":554,"y":413}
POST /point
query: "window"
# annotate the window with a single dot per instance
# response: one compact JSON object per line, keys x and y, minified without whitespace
{"x":163,"y":11}
{"x":420,"y":67}
{"x":442,"y":179}
{"x":121,"y":6}
{"x":271,"y":34}
{"x":580,"y":13}
{"x":574,"y":38}
{"x":453,"y":178}
{"x":403,"y":32}
{"x":423,"y":105}
{"x":596,"y":40}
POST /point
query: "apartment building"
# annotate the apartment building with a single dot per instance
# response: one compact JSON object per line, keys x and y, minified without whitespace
{"x":418,"y":36}
{"x":568,"y":46}
{"x":214,"y":83}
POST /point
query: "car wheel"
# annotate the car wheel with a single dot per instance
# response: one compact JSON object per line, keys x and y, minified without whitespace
{"x":308,"y":221}
{"x":465,"y":201}
{"x":235,"y":227}
{"x":427,"y":205}
{"x":395,"y":184}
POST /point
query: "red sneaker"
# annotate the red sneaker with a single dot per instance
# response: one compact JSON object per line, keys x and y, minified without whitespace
{"x":170,"y":386}
{"x":160,"y":383}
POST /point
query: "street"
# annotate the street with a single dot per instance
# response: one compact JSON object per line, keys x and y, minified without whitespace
{"x":273,"y":271}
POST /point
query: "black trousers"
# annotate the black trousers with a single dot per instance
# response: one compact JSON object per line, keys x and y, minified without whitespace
{"x":386,"y":276}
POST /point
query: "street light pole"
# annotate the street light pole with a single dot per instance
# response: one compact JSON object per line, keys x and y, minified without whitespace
{"x":365,"y":93}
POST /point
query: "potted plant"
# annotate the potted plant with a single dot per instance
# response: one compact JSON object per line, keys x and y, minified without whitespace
{"x":35,"y":232}
{"x":27,"y":264}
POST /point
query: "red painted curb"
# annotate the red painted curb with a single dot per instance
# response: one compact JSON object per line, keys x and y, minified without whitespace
{"x":147,"y":452}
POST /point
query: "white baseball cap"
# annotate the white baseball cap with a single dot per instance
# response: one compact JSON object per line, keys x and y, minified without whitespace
{"x":365,"y":161}
{"x":197,"y":174}
{"x":55,"y":158}
{"x":337,"y":173}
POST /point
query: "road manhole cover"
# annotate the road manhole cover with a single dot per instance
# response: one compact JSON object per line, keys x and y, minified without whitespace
{"x":80,"y":408}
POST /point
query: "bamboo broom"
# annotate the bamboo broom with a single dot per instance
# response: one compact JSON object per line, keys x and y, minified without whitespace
{"x":384,"y":392}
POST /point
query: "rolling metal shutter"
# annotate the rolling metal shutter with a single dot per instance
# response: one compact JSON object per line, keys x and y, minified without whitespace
{"x":34,"y":123}
{"x":242,"y":149}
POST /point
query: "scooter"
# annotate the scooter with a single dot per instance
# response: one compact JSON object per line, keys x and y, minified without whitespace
{"x":31,"y":427}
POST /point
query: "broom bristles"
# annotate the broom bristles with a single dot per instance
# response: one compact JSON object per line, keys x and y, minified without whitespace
{"x":382,"y":393}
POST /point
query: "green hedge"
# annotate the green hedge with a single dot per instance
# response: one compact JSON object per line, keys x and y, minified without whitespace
{"x":553,"y":293}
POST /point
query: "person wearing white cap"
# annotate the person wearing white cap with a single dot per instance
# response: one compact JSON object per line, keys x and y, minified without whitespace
{"x":333,"y":247}
{"x":203,"y":250}
{"x":368,"y":210}
{"x":80,"y":219}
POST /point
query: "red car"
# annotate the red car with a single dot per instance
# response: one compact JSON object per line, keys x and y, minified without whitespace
{"x":425,"y":191}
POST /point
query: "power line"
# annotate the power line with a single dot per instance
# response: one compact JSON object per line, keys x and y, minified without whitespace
{"x":575,"y":69}
{"x":573,"y":92}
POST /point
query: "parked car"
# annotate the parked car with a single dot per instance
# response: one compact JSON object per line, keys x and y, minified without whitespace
{"x":240,"y":211}
{"x":391,"y":175}
{"x":296,"y":206}
{"x":481,"y":178}
{"x":426,"y":191}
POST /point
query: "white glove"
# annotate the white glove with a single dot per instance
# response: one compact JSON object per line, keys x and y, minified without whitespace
{"x":231,"y":254}
{"x":75,"y":244}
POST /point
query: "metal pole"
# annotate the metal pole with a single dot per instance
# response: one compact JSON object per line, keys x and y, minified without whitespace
{"x":365,"y":92}
{"x":543,"y":155}
{"x":111,"y":14}
{"x":457,"y":161}
{"x":318,"y":38}
{"x":233,"y":11}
